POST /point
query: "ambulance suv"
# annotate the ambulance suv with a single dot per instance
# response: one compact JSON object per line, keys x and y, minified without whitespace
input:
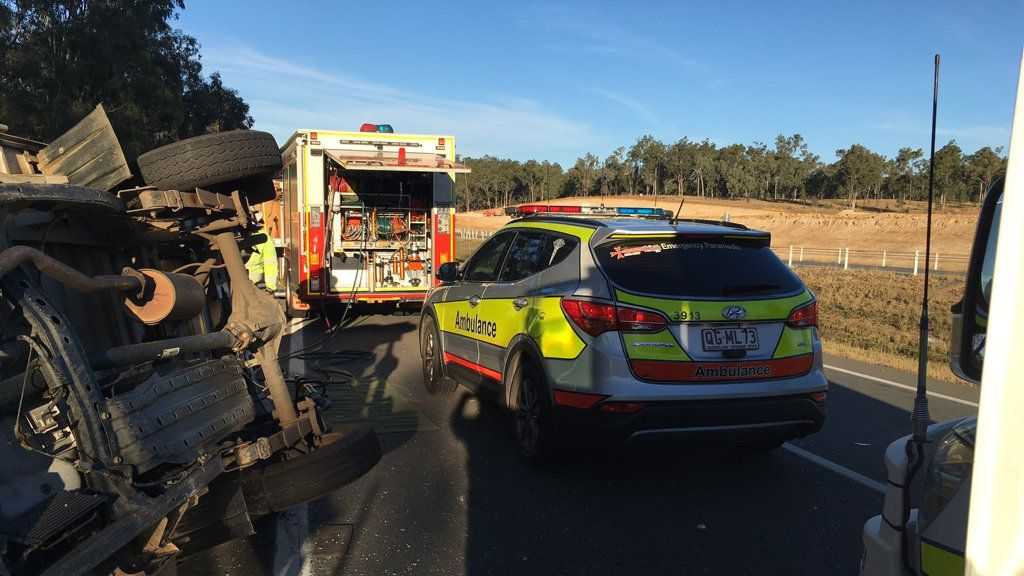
{"x":643,"y":327}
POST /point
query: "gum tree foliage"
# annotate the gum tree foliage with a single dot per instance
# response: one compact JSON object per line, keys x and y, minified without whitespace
{"x":60,"y":58}
{"x":787,"y":170}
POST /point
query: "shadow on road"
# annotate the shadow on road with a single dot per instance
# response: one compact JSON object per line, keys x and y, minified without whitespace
{"x":697,"y":508}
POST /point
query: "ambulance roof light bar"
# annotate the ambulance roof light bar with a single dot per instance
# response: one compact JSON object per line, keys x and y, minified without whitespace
{"x":574,"y":210}
{"x":381,"y":128}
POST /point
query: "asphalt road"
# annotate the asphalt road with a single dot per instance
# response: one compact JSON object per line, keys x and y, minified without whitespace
{"x":451,"y":497}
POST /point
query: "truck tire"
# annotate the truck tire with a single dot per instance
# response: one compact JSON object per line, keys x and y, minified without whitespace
{"x":256,"y":190}
{"x":342,"y":459}
{"x":211,"y":159}
{"x":64,"y":196}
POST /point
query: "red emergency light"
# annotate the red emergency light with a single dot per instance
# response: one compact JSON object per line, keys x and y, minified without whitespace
{"x":382,"y":128}
{"x":543,"y":208}
{"x":620,"y":211}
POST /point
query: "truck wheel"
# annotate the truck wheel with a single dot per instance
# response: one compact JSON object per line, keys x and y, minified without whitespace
{"x":434,"y":379}
{"x":342,"y":459}
{"x":211,"y":159}
{"x":256,"y":190}
{"x":65,"y":196}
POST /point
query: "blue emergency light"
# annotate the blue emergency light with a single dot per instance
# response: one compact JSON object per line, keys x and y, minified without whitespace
{"x":592,"y":210}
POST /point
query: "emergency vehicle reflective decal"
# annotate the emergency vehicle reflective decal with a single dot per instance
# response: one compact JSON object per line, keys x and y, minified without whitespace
{"x":678,"y":310}
{"x":584,"y":233}
{"x":669,"y":371}
{"x":939,"y":561}
{"x":619,"y":252}
{"x":793,"y":342}
{"x":474,"y":325}
{"x":450,"y":358}
{"x":654,"y":346}
{"x":496,"y":321}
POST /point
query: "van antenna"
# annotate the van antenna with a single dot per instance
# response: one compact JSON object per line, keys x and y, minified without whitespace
{"x":920,"y":415}
{"x":919,"y":418}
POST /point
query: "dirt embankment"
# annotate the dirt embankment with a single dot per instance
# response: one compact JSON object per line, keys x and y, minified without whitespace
{"x":884,"y":226}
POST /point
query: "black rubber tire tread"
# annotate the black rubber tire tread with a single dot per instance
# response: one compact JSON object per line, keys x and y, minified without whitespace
{"x":49,"y":196}
{"x":441,"y":384}
{"x":211,"y":159}
{"x":762,"y":445}
{"x":347,"y":457}
{"x":256,"y":190}
{"x":548,"y":445}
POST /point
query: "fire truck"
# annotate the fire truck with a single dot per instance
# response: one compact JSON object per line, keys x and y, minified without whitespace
{"x":368,"y":216}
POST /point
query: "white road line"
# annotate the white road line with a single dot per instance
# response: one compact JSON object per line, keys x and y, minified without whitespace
{"x":837,"y":468}
{"x":898,"y":385}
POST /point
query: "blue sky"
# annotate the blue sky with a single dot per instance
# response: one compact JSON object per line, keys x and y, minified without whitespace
{"x":556,"y":80}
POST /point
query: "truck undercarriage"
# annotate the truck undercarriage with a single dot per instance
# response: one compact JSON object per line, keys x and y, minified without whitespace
{"x":143,"y":407}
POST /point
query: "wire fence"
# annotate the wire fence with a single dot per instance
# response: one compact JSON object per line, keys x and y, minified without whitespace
{"x":906,"y":261}
{"x":473,"y":234}
{"x":901,"y":261}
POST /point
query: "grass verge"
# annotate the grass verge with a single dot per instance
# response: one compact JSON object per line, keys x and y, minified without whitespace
{"x":874,"y":317}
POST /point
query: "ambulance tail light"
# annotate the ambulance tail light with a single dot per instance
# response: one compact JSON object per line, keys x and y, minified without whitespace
{"x":805,"y":316}
{"x":637,"y":320}
{"x":596,"y":318}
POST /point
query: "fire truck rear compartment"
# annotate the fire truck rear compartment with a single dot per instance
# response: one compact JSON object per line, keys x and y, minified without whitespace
{"x":379,"y":230}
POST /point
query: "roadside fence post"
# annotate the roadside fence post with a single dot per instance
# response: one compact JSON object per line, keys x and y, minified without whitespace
{"x":884,"y":254}
{"x":839,"y":259}
{"x":936,"y":262}
{"x":790,"y":255}
{"x":846,"y":262}
{"x":917,"y":256}
{"x":801,"y":254}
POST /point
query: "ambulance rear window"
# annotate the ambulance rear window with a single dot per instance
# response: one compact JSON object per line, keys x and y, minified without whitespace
{"x":711,"y":267}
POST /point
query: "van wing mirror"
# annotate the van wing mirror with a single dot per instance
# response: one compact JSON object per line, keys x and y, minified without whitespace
{"x":970,"y":315}
{"x":448,"y":272}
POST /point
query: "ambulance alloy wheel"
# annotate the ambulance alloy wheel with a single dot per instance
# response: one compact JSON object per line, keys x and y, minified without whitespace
{"x":211,"y":159}
{"x":430,"y":351}
{"x":534,"y":421}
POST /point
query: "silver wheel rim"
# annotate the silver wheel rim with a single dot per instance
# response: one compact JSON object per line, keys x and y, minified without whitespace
{"x":428,"y":356}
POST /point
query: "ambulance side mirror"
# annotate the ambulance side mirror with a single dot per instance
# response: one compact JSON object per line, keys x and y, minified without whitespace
{"x":970,"y":315}
{"x":448,"y":272}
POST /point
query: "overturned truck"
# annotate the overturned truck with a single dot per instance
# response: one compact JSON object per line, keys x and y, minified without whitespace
{"x":143,"y":409}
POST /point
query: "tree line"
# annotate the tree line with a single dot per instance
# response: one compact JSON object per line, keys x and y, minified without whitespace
{"x":786,"y":170}
{"x":59,"y":58}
